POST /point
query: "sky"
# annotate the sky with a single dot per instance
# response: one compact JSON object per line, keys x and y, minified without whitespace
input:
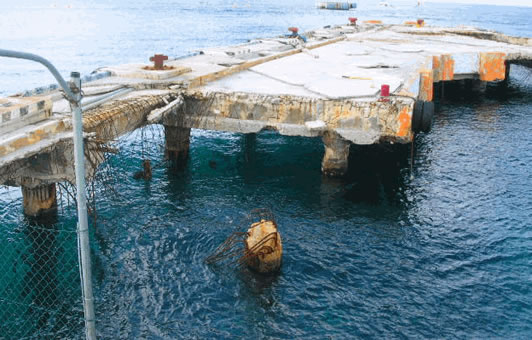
{"x":527,"y":3}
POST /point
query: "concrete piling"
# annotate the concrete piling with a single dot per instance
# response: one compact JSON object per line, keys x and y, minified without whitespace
{"x":479,"y":86}
{"x":39,"y":199}
{"x":335,"y":159}
{"x":177,"y":144}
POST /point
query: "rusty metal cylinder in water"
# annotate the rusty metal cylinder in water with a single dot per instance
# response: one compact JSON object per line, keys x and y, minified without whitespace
{"x":264,"y":249}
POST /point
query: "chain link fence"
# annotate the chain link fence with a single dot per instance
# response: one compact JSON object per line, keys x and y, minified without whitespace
{"x":40,"y":294}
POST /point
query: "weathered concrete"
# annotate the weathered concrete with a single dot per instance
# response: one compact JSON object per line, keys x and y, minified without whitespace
{"x":39,"y":199}
{"x":177,"y":144}
{"x":335,"y":160}
{"x":328,"y":87}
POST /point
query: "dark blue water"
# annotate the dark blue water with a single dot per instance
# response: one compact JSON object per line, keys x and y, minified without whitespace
{"x":445,"y":254}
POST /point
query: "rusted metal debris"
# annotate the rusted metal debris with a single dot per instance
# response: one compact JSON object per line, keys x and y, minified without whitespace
{"x":146,"y":172}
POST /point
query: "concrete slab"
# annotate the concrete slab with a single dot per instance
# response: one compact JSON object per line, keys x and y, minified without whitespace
{"x":328,"y":86}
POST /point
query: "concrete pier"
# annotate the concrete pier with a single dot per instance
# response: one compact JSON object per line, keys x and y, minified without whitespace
{"x":349,"y":84}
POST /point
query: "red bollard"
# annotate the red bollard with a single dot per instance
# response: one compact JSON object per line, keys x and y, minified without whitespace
{"x":385,"y":90}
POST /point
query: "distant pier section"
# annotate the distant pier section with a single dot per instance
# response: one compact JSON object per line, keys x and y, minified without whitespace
{"x":364,"y":82}
{"x":344,"y":6}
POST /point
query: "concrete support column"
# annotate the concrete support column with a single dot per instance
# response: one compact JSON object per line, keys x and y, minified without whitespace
{"x":39,"y":199}
{"x":507,"y":71}
{"x":506,"y":74}
{"x":335,"y":160}
{"x":479,"y":86}
{"x":177,"y":144}
{"x":250,"y":143}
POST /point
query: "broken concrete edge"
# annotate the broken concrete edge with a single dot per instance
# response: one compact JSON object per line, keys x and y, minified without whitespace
{"x":43,"y":145}
{"x":359,"y":121}
{"x":491,"y":35}
{"x":19,"y":111}
{"x":16,"y":162}
{"x":27,"y":138}
{"x":157,"y":115}
{"x":468,"y":31}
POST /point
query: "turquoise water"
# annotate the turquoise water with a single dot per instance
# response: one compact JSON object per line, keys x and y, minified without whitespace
{"x":445,"y":254}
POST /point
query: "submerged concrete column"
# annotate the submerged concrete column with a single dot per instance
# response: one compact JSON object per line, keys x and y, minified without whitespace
{"x":39,"y":199}
{"x":479,"y":86}
{"x":177,"y":144}
{"x":335,"y":160}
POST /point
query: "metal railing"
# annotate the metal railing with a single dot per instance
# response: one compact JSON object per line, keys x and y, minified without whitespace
{"x":73,"y":94}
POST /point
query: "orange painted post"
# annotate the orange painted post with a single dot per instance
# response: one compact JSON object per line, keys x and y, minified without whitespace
{"x":405,"y":122}
{"x":426,"y":86}
{"x":436,"y":65}
{"x":448,"y":67}
{"x":443,"y":67}
{"x":492,"y":66}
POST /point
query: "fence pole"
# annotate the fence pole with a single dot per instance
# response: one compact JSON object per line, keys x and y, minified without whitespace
{"x":74,"y":97}
{"x":83,"y":225}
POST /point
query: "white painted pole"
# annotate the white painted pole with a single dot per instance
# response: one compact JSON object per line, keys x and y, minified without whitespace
{"x":74,"y":97}
{"x":83,"y":225}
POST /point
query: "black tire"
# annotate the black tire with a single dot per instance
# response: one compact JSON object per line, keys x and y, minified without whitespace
{"x":428,"y":115}
{"x":417,"y":115}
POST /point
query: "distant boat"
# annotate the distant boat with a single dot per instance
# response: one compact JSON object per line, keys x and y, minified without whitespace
{"x":384,"y":4}
{"x":345,"y":6}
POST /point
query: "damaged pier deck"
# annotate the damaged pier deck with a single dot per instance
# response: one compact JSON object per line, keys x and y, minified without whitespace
{"x":364,"y":84}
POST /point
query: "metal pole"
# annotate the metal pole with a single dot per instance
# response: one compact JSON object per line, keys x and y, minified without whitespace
{"x":46,"y":63}
{"x":74,"y":97}
{"x":83,"y":225}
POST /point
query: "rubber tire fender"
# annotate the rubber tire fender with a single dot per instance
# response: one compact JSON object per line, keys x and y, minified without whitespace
{"x":427,"y":117}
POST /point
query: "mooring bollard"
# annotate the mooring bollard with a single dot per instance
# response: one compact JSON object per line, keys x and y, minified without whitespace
{"x":385,"y":93}
{"x":158,"y":61}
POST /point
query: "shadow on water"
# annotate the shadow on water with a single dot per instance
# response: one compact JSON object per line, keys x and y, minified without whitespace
{"x":47,"y":295}
{"x":41,"y":282}
{"x":377,"y":174}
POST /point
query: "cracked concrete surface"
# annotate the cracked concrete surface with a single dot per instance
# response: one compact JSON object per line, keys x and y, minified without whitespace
{"x":329,"y":87}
